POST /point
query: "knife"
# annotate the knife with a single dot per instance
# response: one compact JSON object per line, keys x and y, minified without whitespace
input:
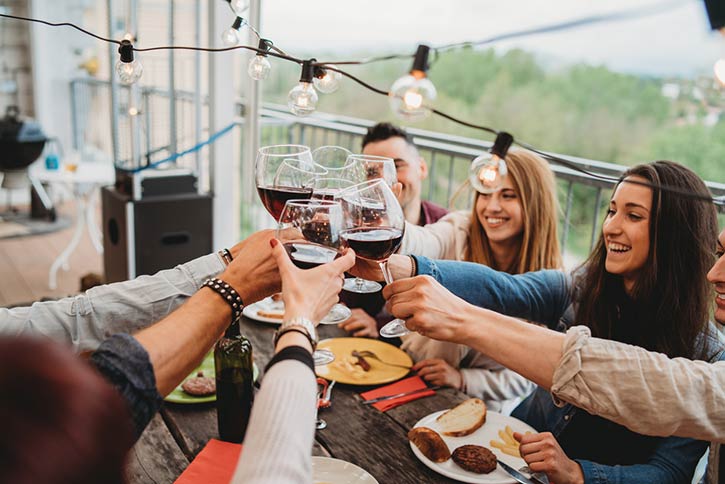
{"x":404,"y":394}
{"x":517,"y":475}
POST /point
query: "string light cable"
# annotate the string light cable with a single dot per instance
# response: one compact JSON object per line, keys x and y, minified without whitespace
{"x":319,"y":69}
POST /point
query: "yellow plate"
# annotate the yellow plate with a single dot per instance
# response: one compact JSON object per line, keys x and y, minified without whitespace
{"x":353,"y":374}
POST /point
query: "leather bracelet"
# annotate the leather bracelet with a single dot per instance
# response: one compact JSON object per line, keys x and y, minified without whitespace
{"x":414,"y":267}
{"x":227,"y":293}
{"x":297,"y":329}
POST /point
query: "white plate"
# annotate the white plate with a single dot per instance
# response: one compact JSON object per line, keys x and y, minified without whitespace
{"x":482,"y":436}
{"x":266,"y":304}
{"x":326,"y":470}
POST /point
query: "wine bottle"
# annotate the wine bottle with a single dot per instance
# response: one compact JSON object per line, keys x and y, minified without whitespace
{"x":234,"y":384}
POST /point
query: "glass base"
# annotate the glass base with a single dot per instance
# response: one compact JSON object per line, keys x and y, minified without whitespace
{"x":394,"y":329}
{"x":337,"y":314}
{"x":323,"y":357}
{"x":361,"y":286}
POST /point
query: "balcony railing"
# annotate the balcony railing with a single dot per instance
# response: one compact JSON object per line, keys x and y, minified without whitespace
{"x":580,"y":195}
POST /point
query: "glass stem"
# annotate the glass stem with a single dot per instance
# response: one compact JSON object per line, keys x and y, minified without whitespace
{"x":386,"y":271}
{"x":359,"y":282}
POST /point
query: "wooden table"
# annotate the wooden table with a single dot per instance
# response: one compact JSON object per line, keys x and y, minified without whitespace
{"x":357,"y":433}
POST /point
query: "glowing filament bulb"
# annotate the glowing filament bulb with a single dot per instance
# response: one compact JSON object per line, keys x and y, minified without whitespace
{"x":720,"y":71}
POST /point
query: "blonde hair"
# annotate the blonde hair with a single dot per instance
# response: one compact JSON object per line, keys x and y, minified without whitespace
{"x":535,"y":186}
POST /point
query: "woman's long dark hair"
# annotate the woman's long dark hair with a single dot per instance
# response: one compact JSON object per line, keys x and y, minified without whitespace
{"x":671,"y":295}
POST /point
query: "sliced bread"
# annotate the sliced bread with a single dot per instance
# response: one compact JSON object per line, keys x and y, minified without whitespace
{"x":463,"y":419}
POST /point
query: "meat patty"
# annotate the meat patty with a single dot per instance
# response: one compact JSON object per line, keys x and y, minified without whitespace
{"x":199,"y":386}
{"x":474,"y":458}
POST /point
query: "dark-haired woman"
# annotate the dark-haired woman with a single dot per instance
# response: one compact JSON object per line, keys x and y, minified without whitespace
{"x":644,"y":284}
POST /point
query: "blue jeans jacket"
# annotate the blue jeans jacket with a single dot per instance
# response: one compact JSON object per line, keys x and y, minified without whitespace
{"x":544,"y":297}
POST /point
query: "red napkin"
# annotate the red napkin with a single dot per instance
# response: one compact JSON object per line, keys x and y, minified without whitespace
{"x":405,"y":385}
{"x":215,"y":464}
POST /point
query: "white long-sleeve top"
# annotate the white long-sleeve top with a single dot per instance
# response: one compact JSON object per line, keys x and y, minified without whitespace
{"x":498,"y":386}
{"x":84,"y":321}
{"x":278,"y":442}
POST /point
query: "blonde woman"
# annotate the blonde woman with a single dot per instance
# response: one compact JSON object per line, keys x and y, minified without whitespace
{"x":512,"y":230}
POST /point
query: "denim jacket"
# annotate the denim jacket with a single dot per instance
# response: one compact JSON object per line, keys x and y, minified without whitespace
{"x":544,"y":297}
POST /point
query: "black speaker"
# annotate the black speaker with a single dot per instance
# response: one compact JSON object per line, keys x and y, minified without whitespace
{"x":153,"y":233}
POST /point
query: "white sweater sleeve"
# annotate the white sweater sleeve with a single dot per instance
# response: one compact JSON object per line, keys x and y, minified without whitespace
{"x":84,"y":321}
{"x":278,"y":443}
{"x":441,"y":240}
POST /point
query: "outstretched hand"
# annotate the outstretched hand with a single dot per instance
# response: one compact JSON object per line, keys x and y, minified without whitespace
{"x":428,"y":308}
{"x":543,"y":453}
{"x":310,"y":293}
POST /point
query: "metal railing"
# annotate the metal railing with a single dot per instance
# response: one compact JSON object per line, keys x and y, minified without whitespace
{"x":448,"y":156}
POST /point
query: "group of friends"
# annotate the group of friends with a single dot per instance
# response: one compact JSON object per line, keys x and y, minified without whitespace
{"x":616,"y":364}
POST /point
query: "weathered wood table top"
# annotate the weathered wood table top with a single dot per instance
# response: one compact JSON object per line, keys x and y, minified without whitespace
{"x":357,"y":433}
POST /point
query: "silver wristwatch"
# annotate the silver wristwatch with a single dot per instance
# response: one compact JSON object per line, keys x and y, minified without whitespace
{"x":298,"y":324}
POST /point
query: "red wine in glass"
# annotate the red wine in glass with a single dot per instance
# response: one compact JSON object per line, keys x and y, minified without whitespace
{"x":373,"y":243}
{"x":308,"y":256}
{"x":274,"y":198}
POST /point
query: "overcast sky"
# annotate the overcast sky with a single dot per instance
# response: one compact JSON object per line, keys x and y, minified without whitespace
{"x":676,"y":42}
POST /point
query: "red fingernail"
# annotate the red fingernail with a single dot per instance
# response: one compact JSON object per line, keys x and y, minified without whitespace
{"x":273,"y":243}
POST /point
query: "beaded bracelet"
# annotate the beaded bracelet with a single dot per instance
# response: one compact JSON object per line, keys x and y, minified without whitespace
{"x":227,"y":293}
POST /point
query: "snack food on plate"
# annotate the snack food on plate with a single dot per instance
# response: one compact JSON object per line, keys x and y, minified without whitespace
{"x":507,"y":444}
{"x":199,"y":386}
{"x":348,"y":365}
{"x":475,"y":458}
{"x":430,"y":444}
{"x":463,"y":419}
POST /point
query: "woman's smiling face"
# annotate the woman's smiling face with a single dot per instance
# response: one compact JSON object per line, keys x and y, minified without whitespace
{"x":626,"y":230}
{"x":501,"y":214}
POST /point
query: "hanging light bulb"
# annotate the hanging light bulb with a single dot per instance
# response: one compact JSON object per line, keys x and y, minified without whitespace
{"x":259,"y":65}
{"x":239,"y":6}
{"x":230,"y":37}
{"x":129,"y":69}
{"x":327,"y":80}
{"x":720,"y":71}
{"x":302,"y":99}
{"x":488,"y":171}
{"x":412,"y":94}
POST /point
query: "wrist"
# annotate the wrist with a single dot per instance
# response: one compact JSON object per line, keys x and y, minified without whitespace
{"x":577,"y":473}
{"x":292,"y":338}
{"x":401,"y":266}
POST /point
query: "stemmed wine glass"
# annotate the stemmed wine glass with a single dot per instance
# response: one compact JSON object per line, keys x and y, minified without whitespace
{"x":319,"y":223}
{"x":283,"y":172}
{"x":377,"y":167}
{"x":331,"y":156}
{"x":373,"y":167}
{"x":329,"y":188}
{"x":375,"y":230}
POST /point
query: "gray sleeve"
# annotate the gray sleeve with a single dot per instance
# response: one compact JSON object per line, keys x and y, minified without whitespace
{"x":84,"y":321}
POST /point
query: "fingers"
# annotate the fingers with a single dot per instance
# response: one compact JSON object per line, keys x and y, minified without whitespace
{"x":401,"y":286}
{"x":342,"y":264}
{"x":280,"y":256}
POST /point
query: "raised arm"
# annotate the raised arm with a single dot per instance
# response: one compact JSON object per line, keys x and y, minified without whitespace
{"x":659,"y":396}
{"x":439,"y":240}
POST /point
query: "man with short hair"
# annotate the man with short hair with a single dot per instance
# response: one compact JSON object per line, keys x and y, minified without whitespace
{"x":385,"y":139}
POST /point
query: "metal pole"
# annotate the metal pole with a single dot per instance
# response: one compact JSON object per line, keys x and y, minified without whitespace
{"x":172,"y":84}
{"x":197,"y":88}
{"x":113,"y":57}
{"x":135,"y":91}
{"x":251,"y":126}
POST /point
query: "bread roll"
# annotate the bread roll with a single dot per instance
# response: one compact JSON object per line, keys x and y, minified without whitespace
{"x":430,"y":444}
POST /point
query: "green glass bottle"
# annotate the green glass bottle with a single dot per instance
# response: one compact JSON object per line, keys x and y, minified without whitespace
{"x":234,"y":383}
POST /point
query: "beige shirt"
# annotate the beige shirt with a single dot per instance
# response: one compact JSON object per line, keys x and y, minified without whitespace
{"x":445,"y":239}
{"x":654,"y":394}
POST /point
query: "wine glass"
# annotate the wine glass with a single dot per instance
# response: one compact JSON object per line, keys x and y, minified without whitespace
{"x":329,"y":188}
{"x":373,"y":167}
{"x":283,"y":172}
{"x":376,"y":223}
{"x":377,"y":167}
{"x":319,"y":223}
{"x":331,"y":156}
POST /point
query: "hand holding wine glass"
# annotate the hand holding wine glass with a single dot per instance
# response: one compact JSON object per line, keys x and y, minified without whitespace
{"x":319,"y":223}
{"x":376,"y":224}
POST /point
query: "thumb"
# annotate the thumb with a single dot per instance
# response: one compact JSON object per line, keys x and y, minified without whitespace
{"x":518,"y":436}
{"x":283,"y":261}
{"x":342,"y":264}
